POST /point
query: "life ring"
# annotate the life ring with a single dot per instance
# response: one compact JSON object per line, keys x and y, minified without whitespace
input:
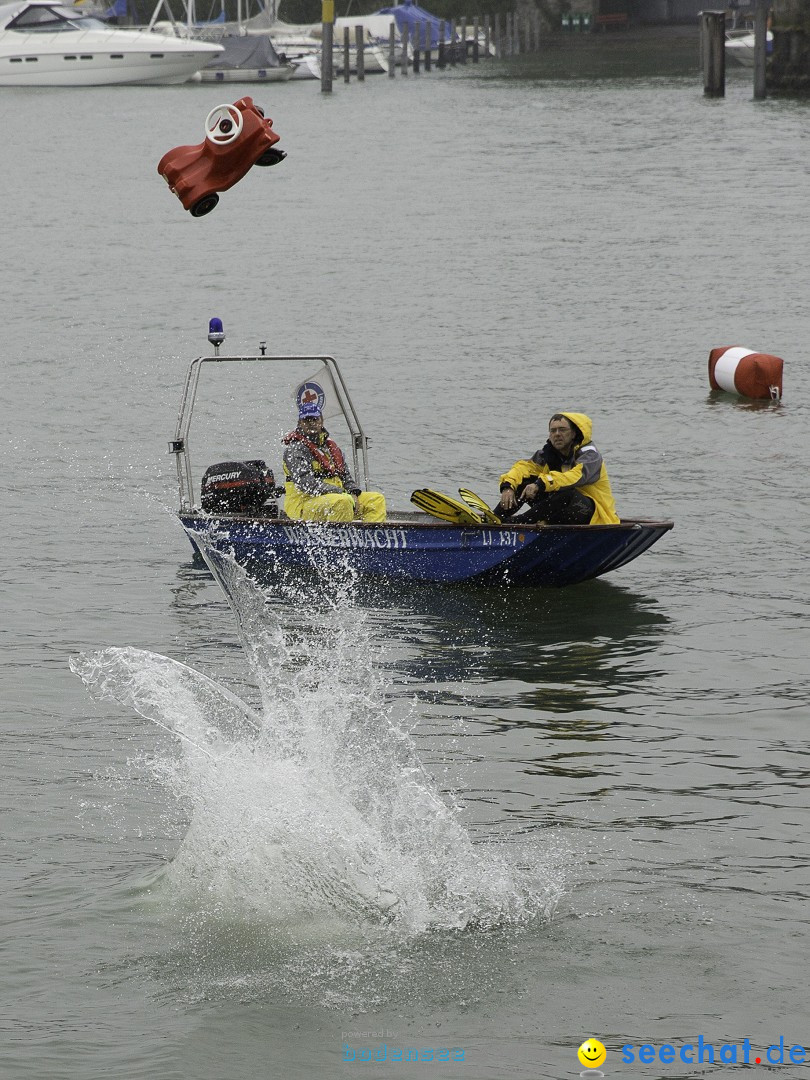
{"x":742,"y":371}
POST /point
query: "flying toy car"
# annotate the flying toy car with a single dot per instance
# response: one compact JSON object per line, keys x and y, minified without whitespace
{"x":237,"y":137}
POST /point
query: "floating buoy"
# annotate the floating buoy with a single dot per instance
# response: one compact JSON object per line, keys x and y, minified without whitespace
{"x":742,"y":371}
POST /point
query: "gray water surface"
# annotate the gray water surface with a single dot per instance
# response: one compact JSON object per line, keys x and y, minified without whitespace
{"x":478,"y":250}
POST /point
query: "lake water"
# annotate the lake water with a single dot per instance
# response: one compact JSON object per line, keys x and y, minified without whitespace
{"x":598,"y":818}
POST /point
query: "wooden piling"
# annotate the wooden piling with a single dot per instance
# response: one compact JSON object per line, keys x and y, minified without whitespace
{"x":475,"y":41}
{"x":327,"y":35}
{"x":442,"y":58}
{"x":417,"y":48}
{"x":392,"y":51}
{"x":428,"y":46}
{"x":360,"y":49}
{"x":487,"y":35}
{"x":453,"y":43}
{"x":760,"y":49}
{"x":404,"y":58}
{"x":347,"y":55}
{"x":713,"y":52}
{"x":497,"y":35}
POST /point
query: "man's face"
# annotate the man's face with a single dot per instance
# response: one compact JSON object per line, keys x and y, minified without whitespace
{"x":561,"y":435}
{"x":311,"y":425}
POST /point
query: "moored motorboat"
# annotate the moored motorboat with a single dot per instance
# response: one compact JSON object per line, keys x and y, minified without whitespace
{"x":740,"y":45}
{"x":290,"y":40}
{"x":409,"y":546}
{"x":50,"y":44}
{"x":247,"y":58}
{"x":306,"y":65}
{"x":249,"y":52}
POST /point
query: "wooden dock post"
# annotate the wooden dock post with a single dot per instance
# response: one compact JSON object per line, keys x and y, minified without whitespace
{"x":327,"y":34}
{"x":428,"y":45}
{"x":360,"y":49}
{"x":405,"y":37}
{"x":442,"y":58}
{"x":453,"y":44}
{"x":760,"y":49}
{"x":347,"y":59}
{"x":417,"y":48}
{"x":463,"y":36}
{"x":475,"y":40}
{"x":487,"y":36}
{"x":713,"y":52}
{"x":496,"y":33}
{"x":392,"y":50}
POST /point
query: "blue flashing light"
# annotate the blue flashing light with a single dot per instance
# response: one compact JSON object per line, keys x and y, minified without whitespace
{"x":216,"y":335}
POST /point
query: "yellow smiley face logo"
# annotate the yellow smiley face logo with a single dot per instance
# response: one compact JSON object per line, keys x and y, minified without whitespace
{"x":592,"y":1054}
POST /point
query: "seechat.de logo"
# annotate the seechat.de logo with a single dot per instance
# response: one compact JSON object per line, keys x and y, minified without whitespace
{"x":591,"y":1054}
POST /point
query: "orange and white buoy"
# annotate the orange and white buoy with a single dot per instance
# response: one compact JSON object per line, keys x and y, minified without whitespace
{"x":745,"y":372}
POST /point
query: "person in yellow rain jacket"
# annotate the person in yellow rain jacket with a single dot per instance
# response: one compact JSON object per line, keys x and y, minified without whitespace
{"x":565,"y":483}
{"x":318,"y":485}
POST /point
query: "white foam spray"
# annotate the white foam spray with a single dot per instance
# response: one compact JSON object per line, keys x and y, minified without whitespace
{"x":314,"y":805}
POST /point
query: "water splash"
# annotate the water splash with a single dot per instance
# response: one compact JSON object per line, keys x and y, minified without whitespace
{"x":315,"y":804}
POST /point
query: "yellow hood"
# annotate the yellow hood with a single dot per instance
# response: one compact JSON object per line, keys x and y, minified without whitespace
{"x":583,"y":422}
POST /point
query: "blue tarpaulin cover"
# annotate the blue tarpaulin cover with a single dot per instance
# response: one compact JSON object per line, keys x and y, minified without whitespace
{"x":415,"y":18}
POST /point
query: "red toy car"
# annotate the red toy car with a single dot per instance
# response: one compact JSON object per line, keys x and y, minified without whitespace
{"x":237,"y":137}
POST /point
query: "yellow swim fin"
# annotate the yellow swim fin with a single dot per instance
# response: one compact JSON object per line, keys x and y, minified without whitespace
{"x":475,"y":502}
{"x":443,"y":507}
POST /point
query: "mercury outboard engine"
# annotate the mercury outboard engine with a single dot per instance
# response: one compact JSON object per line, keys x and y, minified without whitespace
{"x":237,"y":487}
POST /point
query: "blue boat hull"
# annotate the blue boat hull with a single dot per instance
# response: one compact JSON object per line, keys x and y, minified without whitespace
{"x":552,"y":555}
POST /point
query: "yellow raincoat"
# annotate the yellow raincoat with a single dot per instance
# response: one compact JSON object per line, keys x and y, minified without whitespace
{"x":583,"y":469}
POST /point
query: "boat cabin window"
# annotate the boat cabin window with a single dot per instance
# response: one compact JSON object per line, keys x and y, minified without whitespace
{"x":50,"y":18}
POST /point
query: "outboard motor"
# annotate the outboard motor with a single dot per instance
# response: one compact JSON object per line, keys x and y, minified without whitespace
{"x":237,"y":487}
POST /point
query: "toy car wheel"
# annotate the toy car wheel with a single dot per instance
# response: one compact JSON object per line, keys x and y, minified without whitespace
{"x":271,"y":157}
{"x":204,"y":206}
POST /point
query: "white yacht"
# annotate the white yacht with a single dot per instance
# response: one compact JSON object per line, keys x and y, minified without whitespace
{"x":48,"y":44}
{"x":740,"y":45}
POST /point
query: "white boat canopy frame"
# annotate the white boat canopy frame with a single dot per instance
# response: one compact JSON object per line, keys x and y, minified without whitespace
{"x":179,"y":446}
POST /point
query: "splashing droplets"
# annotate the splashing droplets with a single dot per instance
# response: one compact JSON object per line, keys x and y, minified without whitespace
{"x":316,"y":805}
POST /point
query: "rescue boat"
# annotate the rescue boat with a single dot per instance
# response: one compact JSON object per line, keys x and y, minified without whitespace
{"x":410,"y":546}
